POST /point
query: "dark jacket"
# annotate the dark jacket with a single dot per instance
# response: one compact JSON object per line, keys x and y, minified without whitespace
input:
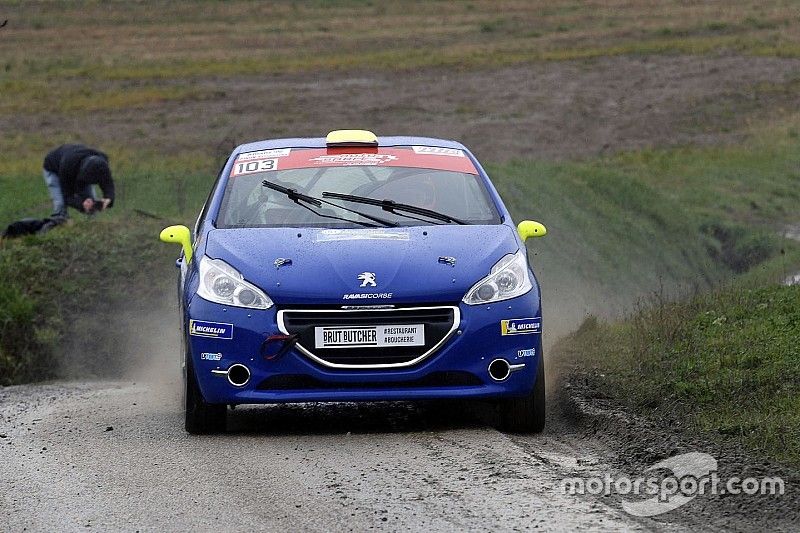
{"x":78,"y":167}
{"x":30,"y":226}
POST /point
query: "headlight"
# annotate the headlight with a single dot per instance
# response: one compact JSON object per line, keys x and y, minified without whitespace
{"x":221,"y":283}
{"x":507,"y":279}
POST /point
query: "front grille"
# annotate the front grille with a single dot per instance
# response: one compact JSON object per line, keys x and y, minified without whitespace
{"x":438,"y":323}
{"x":434,"y":380}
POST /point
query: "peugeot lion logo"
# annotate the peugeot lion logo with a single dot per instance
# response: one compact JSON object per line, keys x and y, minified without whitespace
{"x":367,"y":279}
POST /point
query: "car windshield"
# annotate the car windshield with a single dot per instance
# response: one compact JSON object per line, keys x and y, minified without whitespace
{"x":247,"y":203}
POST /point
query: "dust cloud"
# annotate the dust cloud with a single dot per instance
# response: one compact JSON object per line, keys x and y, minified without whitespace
{"x":140,"y":342}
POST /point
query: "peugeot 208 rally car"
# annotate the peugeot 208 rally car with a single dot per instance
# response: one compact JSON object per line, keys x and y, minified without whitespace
{"x":358,"y":268}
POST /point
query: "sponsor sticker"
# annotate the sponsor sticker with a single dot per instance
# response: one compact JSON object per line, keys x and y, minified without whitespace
{"x":370,"y":336}
{"x":356,"y":296}
{"x":530,"y":352}
{"x":353,"y":159}
{"x":428,"y":157}
{"x":436,"y":150}
{"x":211,"y":356}
{"x":328,"y":235}
{"x":214,"y":330}
{"x":521,"y":326}
{"x":263,"y":154}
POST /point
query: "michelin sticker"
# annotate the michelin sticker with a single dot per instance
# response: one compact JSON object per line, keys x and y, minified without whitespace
{"x":211,"y":356}
{"x":521,"y":326}
{"x":214,"y":330}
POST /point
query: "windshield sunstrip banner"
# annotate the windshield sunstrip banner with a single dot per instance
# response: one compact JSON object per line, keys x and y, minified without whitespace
{"x":434,"y":158}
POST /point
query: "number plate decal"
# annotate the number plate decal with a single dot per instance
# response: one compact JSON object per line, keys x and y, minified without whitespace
{"x":253,"y":167}
{"x":384,"y":336}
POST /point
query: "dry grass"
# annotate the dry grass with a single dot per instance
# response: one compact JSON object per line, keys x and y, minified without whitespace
{"x":175,"y":39}
{"x":38,"y":96}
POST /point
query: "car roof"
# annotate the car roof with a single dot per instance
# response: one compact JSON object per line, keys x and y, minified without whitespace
{"x":319,"y":142}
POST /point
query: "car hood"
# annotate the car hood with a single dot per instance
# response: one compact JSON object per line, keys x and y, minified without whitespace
{"x":408,"y":264}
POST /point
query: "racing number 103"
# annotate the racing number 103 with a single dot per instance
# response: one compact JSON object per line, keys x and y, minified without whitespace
{"x":251,"y":167}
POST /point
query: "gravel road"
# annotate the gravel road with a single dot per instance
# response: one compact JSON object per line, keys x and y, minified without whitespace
{"x":113,"y":456}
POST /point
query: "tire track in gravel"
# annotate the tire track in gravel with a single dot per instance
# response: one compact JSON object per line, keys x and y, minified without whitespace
{"x":315,"y":467}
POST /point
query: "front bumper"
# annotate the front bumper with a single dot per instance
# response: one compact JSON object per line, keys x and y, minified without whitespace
{"x":457,"y":369}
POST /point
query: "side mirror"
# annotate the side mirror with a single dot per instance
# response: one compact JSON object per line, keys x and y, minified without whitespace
{"x":531,"y":228}
{"x":180,"y":235}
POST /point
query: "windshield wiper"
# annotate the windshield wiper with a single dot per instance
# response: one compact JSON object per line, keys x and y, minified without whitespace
{"x":303,"y":199}
{"x":393,"y":207}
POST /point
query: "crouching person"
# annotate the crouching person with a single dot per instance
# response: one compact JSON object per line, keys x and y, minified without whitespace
{"x":71,"y":171}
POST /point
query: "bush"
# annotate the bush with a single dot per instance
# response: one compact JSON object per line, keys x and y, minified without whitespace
{"x":22,"y":356}
{"x":738,"y":247}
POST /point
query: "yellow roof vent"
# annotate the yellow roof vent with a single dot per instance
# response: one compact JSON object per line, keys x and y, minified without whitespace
{"x":351,"y":138}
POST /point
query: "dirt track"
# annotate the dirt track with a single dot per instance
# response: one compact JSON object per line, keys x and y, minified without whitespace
{"x":288,"y":468}
{"x":544,"y":110}
{"x":114,"y":456}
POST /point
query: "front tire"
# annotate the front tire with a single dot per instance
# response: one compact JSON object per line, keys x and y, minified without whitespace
{"x":201,"y":417}
{"x":525,"y":414}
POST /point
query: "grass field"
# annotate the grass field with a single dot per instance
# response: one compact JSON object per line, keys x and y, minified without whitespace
{"x":172,"y":40}
{"x":657,"y":141}
{"x":140,"y":54}
{"x":725,"y":362}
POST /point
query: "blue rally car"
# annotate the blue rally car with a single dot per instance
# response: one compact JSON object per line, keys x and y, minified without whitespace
{"x":358,"y":268}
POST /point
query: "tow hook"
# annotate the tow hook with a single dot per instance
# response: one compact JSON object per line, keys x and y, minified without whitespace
{"x":276,"y":346}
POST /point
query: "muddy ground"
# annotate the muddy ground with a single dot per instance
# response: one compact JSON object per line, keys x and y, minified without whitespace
{"x":547,"y":110}
{"x":639,"y":442}
{"x":113,"y":454}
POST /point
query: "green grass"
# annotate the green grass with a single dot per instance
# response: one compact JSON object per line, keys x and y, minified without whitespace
{"x":38,"y":96}
{"x":172,"y":186}
{"x":461,"y":55}
{"x":52,"y":283}
{"x":685,"y":218}
{"x":726,"y":363}
{"x":752,"y":183}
